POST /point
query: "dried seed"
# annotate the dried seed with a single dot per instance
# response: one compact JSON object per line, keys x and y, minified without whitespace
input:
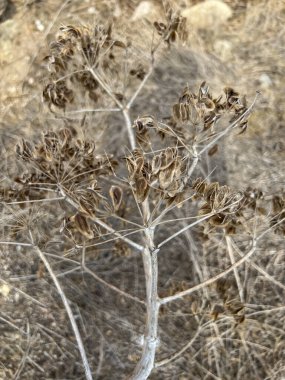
{"x":213,"y":150}
{"x":142,"y":189}
{"x":82,"y":225}
{"x":116,"y":195}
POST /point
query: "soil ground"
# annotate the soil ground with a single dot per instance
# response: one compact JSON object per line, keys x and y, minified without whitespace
{"x":247,"y":53}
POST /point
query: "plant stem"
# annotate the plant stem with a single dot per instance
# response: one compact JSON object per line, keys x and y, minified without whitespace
{"x":98,"y":221}
{"x":146,"y":362}
{"x":124,"y":110}
{"x":129,"y":128}
{"x":212,"y":279}
{"x":236,"y":274}
{"x":87,"y":369}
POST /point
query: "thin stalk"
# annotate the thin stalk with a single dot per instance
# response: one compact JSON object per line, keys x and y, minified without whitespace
{"x":236,"y":274}
{"x":119,"y":291}
{"x":87,"y":110}
{"x":193,"y":224}
{"x":101,"y":223}
{"x":45,"y":200}
{"x":124,"y":110}
{"x":105,"y":87}
{"x":258,"y":268}
{"x":177,"y":354}
{"x":140,"y":87}
{"x":87,"y":369}
{"x":212,"y":279}
{"x":129,"y":127}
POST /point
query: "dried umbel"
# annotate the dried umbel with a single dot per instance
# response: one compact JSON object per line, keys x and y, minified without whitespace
{"x":79,"y":50}
{"x":60,"y":152}
{"x":174,"y":28}
{"x":221,"y":200}
{"x":58,"y":94}
{"x":65,"y":161}
{"x":161,"y":173}
{"x":194,"y":121}
{"x":196,"y":114}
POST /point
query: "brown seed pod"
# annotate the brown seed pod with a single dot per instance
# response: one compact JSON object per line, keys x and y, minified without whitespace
{"x":142,"y":189}
{"x":116,"y":195}
{"x":213,"y":150}
{"x":156,"y":164}
{"x":82,"y":225}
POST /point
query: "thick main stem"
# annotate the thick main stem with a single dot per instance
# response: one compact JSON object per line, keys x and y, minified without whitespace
{"x":146,"y":362}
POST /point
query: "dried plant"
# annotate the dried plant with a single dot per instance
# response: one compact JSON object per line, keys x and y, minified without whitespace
{"x":142,"y":204}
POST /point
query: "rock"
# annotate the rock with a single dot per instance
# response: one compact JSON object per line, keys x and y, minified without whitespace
{"x":144,"y":9}
{"x":265,"y":81}
{"x":5,"y":290}
{"x":207,"y":15}
{"x":39,"y":25}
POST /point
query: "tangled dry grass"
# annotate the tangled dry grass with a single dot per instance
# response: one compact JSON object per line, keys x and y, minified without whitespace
{"x":142,"y":194}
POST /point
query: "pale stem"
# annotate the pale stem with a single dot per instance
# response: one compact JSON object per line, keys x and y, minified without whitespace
{"x":124,"y":110}
{"x":194,"y":224}
{"x":23,"y":293}
{"x":16,"y":243}
{"x":105,"y":87}
{"x":88,"y":110}
{"x":129,"y":127}
{"x":76,"y":332}
{"x":212,"y":279}
{"x":259,"y":269}
{"x":45,"y":200}
{"x":140,"y":87}
{"x":146,"y":363}
{"x":119,"y":291}
{"x":177,"y":354}
{"x":236,"y":274}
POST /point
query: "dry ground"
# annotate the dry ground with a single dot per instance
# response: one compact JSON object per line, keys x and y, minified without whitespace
{"x":36,"y":341}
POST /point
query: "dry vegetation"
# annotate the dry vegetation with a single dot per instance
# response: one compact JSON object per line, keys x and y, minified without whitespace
{"x":142,"y":191}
